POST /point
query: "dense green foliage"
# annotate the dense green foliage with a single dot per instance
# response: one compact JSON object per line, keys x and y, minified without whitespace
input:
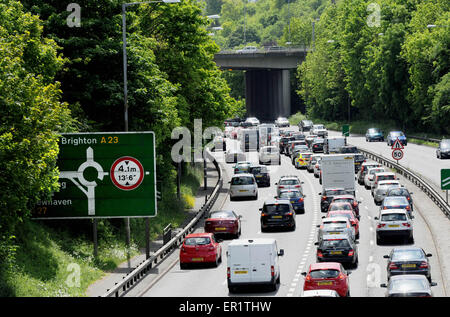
{"x":394,"y":69}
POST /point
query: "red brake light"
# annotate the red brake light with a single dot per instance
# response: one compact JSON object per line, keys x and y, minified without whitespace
{"x":272,"y":270}
{"x":408,"y":208}
{"x":281,"y":186}
{"x":405,"y":224}
{"x":324,"y":197}
{"x":381,"y":225}
{"x":319,"y":254}
{"x":300,"y":200}
{"x":228,"y":272}
{"x":341,"y":276}
{"x":392,"y":266}
{"x":351,"y":253}
{"x":297,"y":186}
{"x":308,"y":278}
{"x":424,"y":265}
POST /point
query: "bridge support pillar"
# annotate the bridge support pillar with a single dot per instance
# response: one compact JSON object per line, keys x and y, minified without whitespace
{"x":268,"y":94}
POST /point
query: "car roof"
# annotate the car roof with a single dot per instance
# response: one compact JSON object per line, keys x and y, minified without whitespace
{"x":385,"y":173}
{"x":393,"y":211}
{"x":242,"y":175}
{"x":339,"y":236}
{"x":346,"y":196}
{"x":199,"y":235}
{"x":408,"y":276}
{"x":252,"y":241}
{"x":407,"y":248}
{"x":325,"y":266}
{"x":273,"y":201}
{"x":335,"y":219}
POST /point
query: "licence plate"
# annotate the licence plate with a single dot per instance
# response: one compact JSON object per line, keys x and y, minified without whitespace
{"x":240,"y":272}
{"x":221,"y":228}
{"x":258,"y":176}
{"x":197,"y":259}
{"x":277,"y":217}
{"x":336,"y":252}
{"x":393,"y":226}
{"x":408,"y":265}
{"x":243,"y":190}
{"x":333,"y":232}
{"x":324,"y":283}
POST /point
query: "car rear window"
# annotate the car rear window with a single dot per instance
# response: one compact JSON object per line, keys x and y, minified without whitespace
{"x":222,"y":214}
{"x":335,"y":192}
{"x":386,"y":177}
{"x":324,"y":273}
{"x":340,"y":207}
{"x":332,"y":215}
{"x":393,"y":217}
{"x":292,"y":194}
{"x":335,"y":243}
{"x":394,"y":201}
{"x":272,"y":208}
{"x":197,"y":241}
{"x":406,"y":285}
{"x":405,"y":255}
{"x":445,"y":145}
{"x":398,"y":192}
{"x":288,"y":182}
{"x":334,"y":226}
{"x":261,"y":169}
{"x":243,"y":180}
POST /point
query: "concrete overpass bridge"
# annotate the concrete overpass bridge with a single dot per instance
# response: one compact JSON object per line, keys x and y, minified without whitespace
{"x":267,"y":79}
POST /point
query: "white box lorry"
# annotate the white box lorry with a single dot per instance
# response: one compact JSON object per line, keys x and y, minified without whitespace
{"x":338,"y":171}
{"x":333,"y":144}
{"x":253,"y":262}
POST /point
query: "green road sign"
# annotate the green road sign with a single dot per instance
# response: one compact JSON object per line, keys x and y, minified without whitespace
{"x":445,"y":179}
{"x":104,"y":175}
{"x":346,"y":130}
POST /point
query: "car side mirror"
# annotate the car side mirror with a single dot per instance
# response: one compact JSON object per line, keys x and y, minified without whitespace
{"x":376,"y":218}
{"x":433,"y":284}
{"x":281,"y":253}
{"x":219,"y":240}
{"x":411,"y":193}
{"x":320,"y":194}
{"x":240,"y":217}
{"x":383,"y":285}
{"x":429,"y":254}
{"x":303,"y":273}
{"x":260,"y":209}
{"x":316,"y":243}
{"x":386,"y":256}
{"x":318,"y":226}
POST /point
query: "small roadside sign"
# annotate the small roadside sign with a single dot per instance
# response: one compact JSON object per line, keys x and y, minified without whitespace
{"x":445,"y":179}
{"x":397,"y":154}
{"x":397,"y":145}
{"x":346,"y":130}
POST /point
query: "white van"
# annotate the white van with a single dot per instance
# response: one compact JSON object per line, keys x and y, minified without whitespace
{"x":333,"y":144}
{"x":253,"y":262}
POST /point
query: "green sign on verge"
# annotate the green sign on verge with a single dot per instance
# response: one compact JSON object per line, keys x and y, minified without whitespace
{"x":104,"y":175}
{"x":445,"y":179}
{"x":346,"y":130}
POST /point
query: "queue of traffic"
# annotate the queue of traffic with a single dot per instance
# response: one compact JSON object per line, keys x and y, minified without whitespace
{"x":337,"y":165}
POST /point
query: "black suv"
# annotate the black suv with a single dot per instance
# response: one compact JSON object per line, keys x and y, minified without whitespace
{"x":261,"y":174}
{"x":277,"y":213}
{"x":305,"y":125}
{"x":337,"y":248}
{"x":328,"y":195}
{"x":317,"y":145}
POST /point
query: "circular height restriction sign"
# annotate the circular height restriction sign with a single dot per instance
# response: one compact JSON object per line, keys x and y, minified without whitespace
{"x":127,"y":173}
{"x":397,"y":154}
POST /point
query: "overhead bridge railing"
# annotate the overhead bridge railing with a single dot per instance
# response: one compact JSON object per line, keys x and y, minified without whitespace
{"x":142,"y":269}
{"x":414,"y":178}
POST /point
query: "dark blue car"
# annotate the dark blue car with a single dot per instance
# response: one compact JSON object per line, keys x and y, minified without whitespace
{"x":393,"y":135}
{"x":295,"y":197}
{"x":374,"y":134}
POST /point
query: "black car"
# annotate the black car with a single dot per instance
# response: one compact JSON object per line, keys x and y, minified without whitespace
{"x":443,"y":150}
{"x":261,"y":174}
{"x":410,"y":285}
{"x":359,"y":159}
{"x":317,"y":145}
{"x":305,"y":125}
{"x":410,"y":260}
{"x":401,"y":191}
{"x":328,"y":195}
{"x":284,"y":143}
{"x":337,"y":248}
{"x":348,"y":149}
{"x":277,"y":213}
{"x":298,"y":136}
{"x":374,"y":134}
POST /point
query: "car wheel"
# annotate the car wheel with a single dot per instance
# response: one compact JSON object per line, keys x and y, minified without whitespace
{"x":348,"y":293}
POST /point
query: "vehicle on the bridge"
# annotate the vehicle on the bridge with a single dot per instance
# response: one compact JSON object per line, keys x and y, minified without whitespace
{"x":200,"y":248}
{"x":350,"y":214}
{"x":320,"y":130}
{"x":282,"y":122}
{"x":222,"y":222}
{"x":327,"y":196}
{"x":363,"y":170}
{"x":277,"y":213}
{"x":296,"y":198}
{"x":303,"y":159}
{"x":374,"y":134}
{"x":253,"y":262}
{"x":253,"y":121}
{"x":243,"y":185}
{"x":443,"y":150}
{"x":337,"y":248}
{"x":312,"y":162}
{"x":349,"y":199}
{"x":317,"y":145}
{"x":248,"y":49}
{"x":305,"y":125}
{"x":242,"y":167}
{"x":333,"y":144}
{"x":269,"y":155}
{"x":276,"y":48}
{"x":335,"y":225}
{"x":401,"y":191}
{"x":261,"y":174}
{"x":411,"y":285}
{"x":289,"y":182}
{"x":394,"y":223}
{"x":408,"y":260}
{"x":385,"y":176}
{"x":234,"y":156}
{"x":381,"y":189}
{"x":327,"y":275}
{"x":370,"y":176}
{"x":396,"y":202}
{"x":320,"y":293}
{"x":393,"y":135}
{"x":338,"y":170}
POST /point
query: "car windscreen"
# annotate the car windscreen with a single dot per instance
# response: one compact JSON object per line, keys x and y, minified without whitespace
{"x":222,"y":214}
{"x":288,"y":182}
{"x":324,"y":273}
{"x":407,"y":255}
{"x":406,"y":285}
{"x":373,"y":131}
{"x":393,"y":217}
{"x":272,"y":208}
{"x":291,"y":194}
{"x":197,"y":241}
{"x":395,"y":201}
{"x":328,"y":226}
{"x":445,"y":145}
{"x":335,"y":243}
{"x":243,"y":180}
{"x":395,"y":134}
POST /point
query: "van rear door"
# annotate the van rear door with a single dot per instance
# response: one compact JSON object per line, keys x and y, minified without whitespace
{"x":239,"y":264}
{"x":260,"y":256}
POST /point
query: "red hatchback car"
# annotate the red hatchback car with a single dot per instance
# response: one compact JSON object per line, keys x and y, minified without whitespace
{"x":224,"y":222}
{"x":200,"y":248}
{"x":327,"y":275}
{"x":351,"y":217}
{"x":350,"y":199}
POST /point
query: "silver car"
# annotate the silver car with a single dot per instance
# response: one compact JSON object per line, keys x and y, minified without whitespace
{"x":381,"y":189}
{"x":370,"y":176}
{"x":394,"y":223}
{"x":289,"y":182}
{"x":412,"y":285}
{"x":335,"y":225}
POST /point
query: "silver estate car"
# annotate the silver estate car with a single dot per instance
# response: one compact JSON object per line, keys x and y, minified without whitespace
{"x":394,"y":223}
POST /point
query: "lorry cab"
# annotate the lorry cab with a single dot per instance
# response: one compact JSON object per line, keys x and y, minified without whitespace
{"x":253,"y":262}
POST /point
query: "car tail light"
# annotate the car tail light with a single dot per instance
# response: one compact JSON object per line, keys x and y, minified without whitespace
{"x":392,"y":266}
{"x":409,"y":198}
{"x":408,"y":208}
{"x":289,"y":214}
{"x":424,"y":265}
{"x":300,"y":200}
{"x":381,"y":225}
{"x":272,"y":270}
{"x":405,"y":224}
{"x":384,"y":207}
{"x":308,"y":278}
{"x":324,"y":198}
{"x":297,"y":186}
{"x":228,"y":272}
{"x":263,"y":214}
{"x":280,"y":187}
{"x":211,"y":248}
{"x":319,"y":254}
{"x":341,"y":276}
{"x":355,"y":204}
{"x":351,"y":253}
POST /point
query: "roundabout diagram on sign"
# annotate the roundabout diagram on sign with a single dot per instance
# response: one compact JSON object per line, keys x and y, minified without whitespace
{"x":127,"y":173}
